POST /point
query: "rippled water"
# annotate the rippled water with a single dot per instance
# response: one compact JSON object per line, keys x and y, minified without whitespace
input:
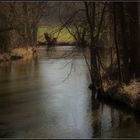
{"x":39,"y":100}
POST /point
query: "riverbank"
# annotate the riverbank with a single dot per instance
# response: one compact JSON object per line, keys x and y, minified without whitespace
{"x":67,"y":52}
{"x":17,"y":53}
{"x":60,"y":43}
{"x":128,"y":95}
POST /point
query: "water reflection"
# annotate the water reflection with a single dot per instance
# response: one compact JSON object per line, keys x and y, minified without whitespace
{"x":36,"y":102}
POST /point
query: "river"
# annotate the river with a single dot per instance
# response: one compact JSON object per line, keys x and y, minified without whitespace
{"x":49,"y":98}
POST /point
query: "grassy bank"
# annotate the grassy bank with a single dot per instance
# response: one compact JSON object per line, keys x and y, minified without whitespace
{"x":128,"y":95}
{"x":63,"y":37}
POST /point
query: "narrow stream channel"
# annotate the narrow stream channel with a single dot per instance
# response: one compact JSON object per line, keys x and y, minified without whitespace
{"x":38,"y":101}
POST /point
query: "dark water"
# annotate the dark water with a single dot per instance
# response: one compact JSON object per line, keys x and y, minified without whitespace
{"x":39,"y":100}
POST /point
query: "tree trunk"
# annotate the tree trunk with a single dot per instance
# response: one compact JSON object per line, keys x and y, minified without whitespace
{"x":133,"y":11}
{"x":95,"y":75}
{"x":116,"y":45}
{"x":124,"y":38}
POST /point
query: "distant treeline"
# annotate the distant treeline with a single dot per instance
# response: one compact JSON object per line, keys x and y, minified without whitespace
{"x":18,"y":24}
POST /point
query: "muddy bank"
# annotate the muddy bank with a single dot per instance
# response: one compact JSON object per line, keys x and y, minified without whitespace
{"x":18,"y":53}
{"x":127,"y":95}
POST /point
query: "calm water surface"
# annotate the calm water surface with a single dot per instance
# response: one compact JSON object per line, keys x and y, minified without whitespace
{"x":39,"y":100}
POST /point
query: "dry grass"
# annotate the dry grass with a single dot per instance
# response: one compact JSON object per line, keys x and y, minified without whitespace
{"x":127,"y":94}
{"x":133,"y":89}
{"x":24,"y":53}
